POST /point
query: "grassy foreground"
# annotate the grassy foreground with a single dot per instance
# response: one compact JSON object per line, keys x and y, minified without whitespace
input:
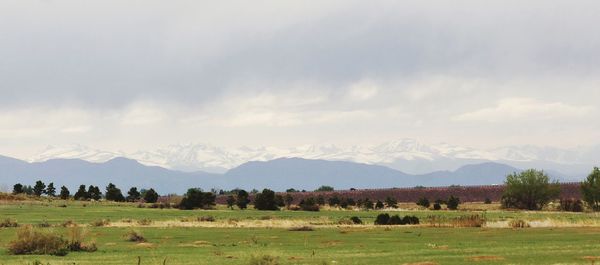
{"x":329,"y":243}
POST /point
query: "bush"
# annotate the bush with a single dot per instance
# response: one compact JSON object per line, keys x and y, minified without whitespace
{"x":356,"y":220}
{"x":530,"y":189}
{"x":386,"y":219}
{"x":571,"y":205}
{"x":135,"y":236}
{"x":453,"y":202}
{"x":101,"y":222}
{"x":410,"y":220}
{"x":437,"y":206}
{"x":9,"y":223}
{"x":423,"y":202}
{"x":382,"y":219}
{"x":309,"y":204}
{"x":324,"y":189}
{"x":487,"y":201}
{"x":395,"y":220}
{"x":30,"y":241}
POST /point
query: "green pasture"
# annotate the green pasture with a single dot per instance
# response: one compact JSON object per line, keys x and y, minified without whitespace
{"x":325,"y":245}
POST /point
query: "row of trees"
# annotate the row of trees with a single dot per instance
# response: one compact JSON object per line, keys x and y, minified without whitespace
{"x":92,"y":192}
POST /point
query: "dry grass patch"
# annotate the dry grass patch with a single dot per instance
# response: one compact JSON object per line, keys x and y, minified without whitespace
{"x":9,"y":223}
{"x":422,"y":263}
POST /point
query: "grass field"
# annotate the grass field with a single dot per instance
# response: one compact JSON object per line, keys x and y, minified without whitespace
{"x":175,"y":237}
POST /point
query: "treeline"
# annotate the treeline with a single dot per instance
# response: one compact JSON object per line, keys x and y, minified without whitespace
{"x":91,"y":192}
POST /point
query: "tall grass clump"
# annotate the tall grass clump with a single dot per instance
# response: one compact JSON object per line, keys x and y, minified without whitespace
{"x":9,"y":223}
{"x":135,"y":236}
{"x":34,"y":242}
{"x":76,"y":240}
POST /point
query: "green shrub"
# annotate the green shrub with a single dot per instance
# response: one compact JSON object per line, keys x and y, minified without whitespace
{"x":356,"y":220}
{"x":423,"y":202}
{"x":437,"y":206}
{"x":453,"y":203}
{"x":487,"y":201}
{"x":382,"y":219}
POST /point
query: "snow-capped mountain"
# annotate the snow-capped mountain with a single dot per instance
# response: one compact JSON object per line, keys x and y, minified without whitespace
{"x":408,"y":155}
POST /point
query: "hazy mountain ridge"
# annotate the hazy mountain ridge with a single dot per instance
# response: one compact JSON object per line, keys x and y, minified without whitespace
{"x":278,"y":174}
{"x":407,"y":155}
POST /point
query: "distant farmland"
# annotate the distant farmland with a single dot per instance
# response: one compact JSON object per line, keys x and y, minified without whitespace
{"x":465,"y":193}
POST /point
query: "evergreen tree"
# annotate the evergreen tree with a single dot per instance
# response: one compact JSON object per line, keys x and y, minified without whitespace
{"x":81,"y":194}
{"x":18,"y":189}
{"x":265,"y":201}
{"x":133,"y":195}
{"x":242,"y":199}
{"x":64,"y":193}
{"x":113,"y":193}
{"x":39,"y":188}
{"x":51,"y":190}
{"x":195,"y":198}
{"x":94,"y":193}
{"x":230,"y":201}
{"x":150,"y":196}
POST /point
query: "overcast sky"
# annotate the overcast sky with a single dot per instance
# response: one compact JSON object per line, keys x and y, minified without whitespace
{"x":128,"y":75}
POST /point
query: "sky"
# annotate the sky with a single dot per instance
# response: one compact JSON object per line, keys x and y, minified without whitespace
{"x":129,"y":75}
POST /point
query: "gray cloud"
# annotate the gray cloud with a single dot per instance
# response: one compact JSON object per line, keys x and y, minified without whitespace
{"x":402,"y":68}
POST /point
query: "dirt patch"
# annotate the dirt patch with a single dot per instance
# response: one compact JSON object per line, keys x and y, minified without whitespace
{"x":485,"y":258}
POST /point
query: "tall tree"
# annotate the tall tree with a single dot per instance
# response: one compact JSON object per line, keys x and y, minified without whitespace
{"x":64,"y":193}
{"x":51,"y":190}
{"x":265,"y":201}
{"x":94,"y":193}
{"x":530,"y":189}
{"x":81,"y":194}
{"x":590,"y":189}
{"x":133,"y":195}
{"x":39,"y":188}
{"x":150,"y":196}
{"x":113,"y":193}
{"x":195,"y":198}
{"x":242,"y":199}
{"x":288,"y":200}
{"x":18,"y":189}
{"x":230,"y":202}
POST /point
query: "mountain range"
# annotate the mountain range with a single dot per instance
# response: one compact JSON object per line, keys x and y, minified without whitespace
{"x":278,"y":174}
{"x":406,"y":155}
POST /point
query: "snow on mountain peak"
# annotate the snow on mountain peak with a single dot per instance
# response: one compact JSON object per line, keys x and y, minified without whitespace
{"x":194,"y":157}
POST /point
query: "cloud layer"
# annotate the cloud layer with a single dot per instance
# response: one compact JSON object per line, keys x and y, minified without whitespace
{"x":128,"y":74}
